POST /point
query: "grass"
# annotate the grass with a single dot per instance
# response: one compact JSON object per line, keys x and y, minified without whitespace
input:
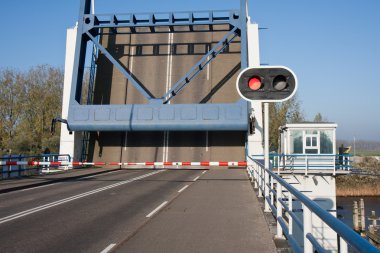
{"x":356,"y":185}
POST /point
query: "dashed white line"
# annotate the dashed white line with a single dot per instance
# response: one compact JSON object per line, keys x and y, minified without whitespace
{"x":157,"y":209}
{"x":87,"y":177}
{"x":195,"y":179}
{"x":69,"y":199}
{"x":109,"y":247}
{"x":183,"y":188}
{"x":204,"y":172}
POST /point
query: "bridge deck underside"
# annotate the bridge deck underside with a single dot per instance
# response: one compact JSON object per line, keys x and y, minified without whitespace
{"x":158,"y":61}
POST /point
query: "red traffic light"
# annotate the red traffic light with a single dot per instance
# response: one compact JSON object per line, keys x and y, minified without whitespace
{"x":254,"y":83}
{"x":266,"y":83}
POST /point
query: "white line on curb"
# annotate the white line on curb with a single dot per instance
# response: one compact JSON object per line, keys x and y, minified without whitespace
{"x":109,"y":247}
{"x":183,"y":188}
{"x":157,"y":209}
{"x":195,"y":179}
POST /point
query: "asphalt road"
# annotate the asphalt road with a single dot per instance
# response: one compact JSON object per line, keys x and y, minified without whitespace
{"x":85,"y":215}
{"x":137,"y":211}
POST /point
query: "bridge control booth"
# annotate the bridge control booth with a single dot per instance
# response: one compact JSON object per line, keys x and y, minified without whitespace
{"x":307,"y":148}
{"x":307,"y":160}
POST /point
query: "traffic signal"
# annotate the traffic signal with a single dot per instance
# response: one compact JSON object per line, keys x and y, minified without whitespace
{"x":266,"y":84}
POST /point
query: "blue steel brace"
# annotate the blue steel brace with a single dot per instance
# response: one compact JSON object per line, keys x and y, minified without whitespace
{"x":157,"y":115}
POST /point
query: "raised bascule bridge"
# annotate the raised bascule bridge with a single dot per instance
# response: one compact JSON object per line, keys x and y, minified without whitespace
{"x":165,"y":147}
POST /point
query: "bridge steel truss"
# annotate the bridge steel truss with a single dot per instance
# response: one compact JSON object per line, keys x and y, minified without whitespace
{"x":158,"y":114}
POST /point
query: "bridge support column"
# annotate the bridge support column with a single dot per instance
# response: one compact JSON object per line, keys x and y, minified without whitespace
{"x":69,"y":143}
{"x":255,"y":141}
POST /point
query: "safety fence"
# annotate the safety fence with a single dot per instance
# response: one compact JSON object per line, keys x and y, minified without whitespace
{"x":309,"y":163}
{"x":23,"y":165}
{"x":124,"y":164}
{"x":280,"y":197}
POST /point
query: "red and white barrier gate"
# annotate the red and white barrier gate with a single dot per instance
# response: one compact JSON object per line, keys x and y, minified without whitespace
{"x":125,"y":164}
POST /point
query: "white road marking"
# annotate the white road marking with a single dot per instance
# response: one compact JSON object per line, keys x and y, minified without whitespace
{"x":131,"y":70}
{"x":157,"y":209}
{"x":183,"y":188}
{"x":204,"y":172}
{"x":109,"y":247}
{"x":42,"y":186}
{"x":206,"y":141}
{"x":87,"y":177}
{"x":69,"y":199}
{"x":195,"y":179}
{"x":169,"y":66}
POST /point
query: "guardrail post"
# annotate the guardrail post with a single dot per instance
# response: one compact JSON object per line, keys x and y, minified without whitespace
{"x":260,"y":180}
{"x":266,"y":191}
{"x":279,"y":208}
{"x":271,"y":192}
{"x":255,"y":178}
{"x":290,"y":206}
{"x":307,"y":228}
{"x":343,"y":248}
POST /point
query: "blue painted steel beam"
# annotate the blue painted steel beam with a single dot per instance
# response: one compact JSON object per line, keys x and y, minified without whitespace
{"x":159,"y":117}
{"x":188,"y":18}
{"x":154,"y":116}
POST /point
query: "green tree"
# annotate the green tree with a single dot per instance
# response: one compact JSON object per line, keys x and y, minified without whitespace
{"x":11,"y":106}
{"x":28,"y":102}
{"x":281,"y":114}
{"x":319,"y":118}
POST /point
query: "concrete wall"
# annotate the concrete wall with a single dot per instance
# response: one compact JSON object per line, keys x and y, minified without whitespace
{"x":322,"y":190}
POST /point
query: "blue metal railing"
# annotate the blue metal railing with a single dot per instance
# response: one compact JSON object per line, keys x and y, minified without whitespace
{"x":307,"y":163}
{"x":11,"y":171}
{"x":265,"y":179}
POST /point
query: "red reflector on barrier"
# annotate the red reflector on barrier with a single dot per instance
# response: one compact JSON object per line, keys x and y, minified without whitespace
{"x":66,"y":163}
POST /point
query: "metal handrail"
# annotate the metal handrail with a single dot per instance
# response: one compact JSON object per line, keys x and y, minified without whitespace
{"x":20,"y":157}
{"x":22,"y":168}
{"x":345,"y":232}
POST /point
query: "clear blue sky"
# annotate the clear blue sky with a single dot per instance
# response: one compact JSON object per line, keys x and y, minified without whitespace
{"x":332,"y":45}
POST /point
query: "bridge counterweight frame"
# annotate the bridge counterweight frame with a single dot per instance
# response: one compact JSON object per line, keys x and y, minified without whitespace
{"x":158,"y":114}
